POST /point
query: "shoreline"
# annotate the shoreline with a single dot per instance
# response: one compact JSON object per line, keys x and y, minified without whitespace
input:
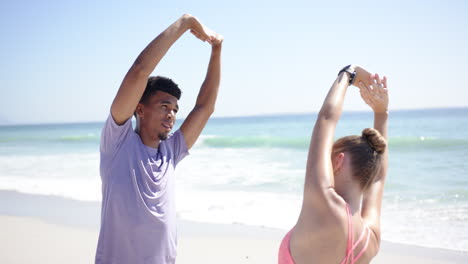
{"x":51,"y":229}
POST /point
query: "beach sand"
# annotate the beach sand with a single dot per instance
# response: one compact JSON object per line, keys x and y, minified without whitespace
{"x":47,"y":229}
{"x":30,"y":240}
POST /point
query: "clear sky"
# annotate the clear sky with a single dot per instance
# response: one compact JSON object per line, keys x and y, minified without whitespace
{"x":63,"y":61}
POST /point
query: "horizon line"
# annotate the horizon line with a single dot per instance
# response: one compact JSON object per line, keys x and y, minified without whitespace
{"x":5,"y":124}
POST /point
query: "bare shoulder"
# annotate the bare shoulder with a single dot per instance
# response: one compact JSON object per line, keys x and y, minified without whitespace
{"x":323,"y":218}
{"x":374,"y":242}
{"x":369,"y":246}
{"x":321,"y":231}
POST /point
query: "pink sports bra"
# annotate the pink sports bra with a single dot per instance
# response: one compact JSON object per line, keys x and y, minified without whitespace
{"x":284,"y":255}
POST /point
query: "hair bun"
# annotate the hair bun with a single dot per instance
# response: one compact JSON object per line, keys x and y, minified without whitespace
{"x":374,"y":139}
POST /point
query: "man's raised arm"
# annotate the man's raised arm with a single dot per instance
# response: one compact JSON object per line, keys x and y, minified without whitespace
{"x":134,"y":83}
{"x":205,"y":104}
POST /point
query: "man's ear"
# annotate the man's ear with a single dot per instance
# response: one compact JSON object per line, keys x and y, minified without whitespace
{"x":338,"y":161}
{"x":139,"y":110}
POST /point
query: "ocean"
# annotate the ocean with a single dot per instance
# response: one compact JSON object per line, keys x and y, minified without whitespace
{"x":250,"y":170}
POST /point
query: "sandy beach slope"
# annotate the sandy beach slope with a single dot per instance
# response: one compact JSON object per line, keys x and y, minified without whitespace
{"x":43,"y":229}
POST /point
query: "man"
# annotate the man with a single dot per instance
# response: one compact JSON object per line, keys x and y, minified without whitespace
{"x":138,"y":217}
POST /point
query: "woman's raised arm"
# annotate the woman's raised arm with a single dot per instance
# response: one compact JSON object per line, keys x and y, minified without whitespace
{"x":376,"y":96}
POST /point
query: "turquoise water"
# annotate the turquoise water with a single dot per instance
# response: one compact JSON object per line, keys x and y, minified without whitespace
{"x":250,"y":170}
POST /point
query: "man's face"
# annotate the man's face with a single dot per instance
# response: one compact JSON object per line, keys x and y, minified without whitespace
{"x":158,"y":115}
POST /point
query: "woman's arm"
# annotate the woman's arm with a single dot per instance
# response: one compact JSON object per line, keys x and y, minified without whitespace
{"x":319,"y":171}
{"x":376,"y":96}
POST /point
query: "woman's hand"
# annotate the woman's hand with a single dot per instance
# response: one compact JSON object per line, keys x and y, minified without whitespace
{"x":375,"y":93}
{"x":362,"y":75}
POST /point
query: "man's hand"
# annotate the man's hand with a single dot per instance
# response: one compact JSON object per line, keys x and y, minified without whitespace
{"x":217,"y":40}
{"x":375,"y":94}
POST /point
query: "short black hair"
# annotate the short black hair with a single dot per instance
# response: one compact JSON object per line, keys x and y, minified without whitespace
{"x":160,"y":83}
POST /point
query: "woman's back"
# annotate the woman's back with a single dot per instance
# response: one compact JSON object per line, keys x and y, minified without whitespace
{"x":328,"y":240}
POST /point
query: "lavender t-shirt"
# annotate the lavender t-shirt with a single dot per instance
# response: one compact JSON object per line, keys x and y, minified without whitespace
{"x":138,"y":215}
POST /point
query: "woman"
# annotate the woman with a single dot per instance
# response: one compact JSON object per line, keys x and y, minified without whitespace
{"x":340,"y":216}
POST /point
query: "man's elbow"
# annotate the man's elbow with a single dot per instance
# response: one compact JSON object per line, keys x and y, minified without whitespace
{"x":209,"y":110}
{"x":139,"y":69}
{"x":206,"y":110}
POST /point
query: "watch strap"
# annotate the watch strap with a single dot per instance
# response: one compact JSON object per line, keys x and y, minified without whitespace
{"x":352,"y":74}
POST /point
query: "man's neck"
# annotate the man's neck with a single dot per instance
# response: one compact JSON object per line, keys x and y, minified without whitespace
{"x":147,"y":139}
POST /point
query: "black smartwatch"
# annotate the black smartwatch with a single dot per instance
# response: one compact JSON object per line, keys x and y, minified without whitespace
{"x":352,"y":74}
